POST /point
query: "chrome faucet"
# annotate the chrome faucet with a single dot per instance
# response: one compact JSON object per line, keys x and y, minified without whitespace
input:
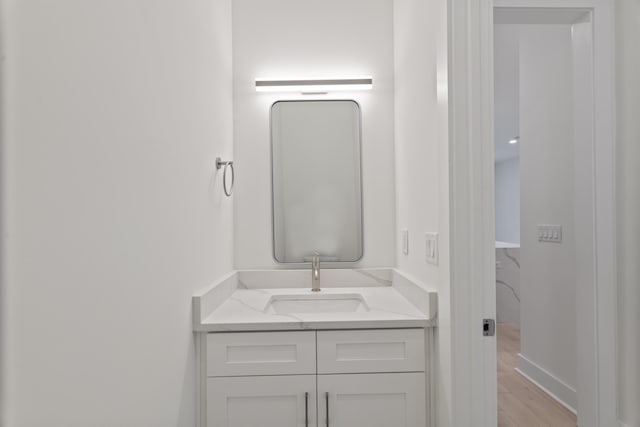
{"x":315,"y":273}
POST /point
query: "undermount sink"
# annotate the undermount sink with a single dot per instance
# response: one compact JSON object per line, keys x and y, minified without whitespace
{"x":316,"y":303}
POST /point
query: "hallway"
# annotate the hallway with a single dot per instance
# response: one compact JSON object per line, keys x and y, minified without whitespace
{"x":520,"y":402}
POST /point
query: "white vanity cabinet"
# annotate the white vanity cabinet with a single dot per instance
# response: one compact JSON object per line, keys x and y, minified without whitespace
{"x":341,"y":378}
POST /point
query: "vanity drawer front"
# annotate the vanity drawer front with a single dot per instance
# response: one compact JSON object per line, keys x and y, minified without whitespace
{"x":261,"y":353}
{"x":376,"y":350}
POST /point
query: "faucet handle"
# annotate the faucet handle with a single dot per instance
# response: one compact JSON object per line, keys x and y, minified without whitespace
{"x":315,"y":273}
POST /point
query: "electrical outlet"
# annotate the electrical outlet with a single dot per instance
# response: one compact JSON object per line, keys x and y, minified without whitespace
{"x":431,"y":248}
{"x":550,"y":233}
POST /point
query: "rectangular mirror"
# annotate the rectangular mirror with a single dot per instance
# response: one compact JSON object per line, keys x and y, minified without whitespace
{"x":316,"y":181}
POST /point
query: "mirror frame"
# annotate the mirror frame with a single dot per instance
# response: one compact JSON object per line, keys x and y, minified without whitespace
{"x":326,"y":264}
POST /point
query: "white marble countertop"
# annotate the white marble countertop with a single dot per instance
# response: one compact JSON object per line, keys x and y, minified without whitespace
{"x":246,"y":310}
{"x":240,"y":302}
{"x":506,"y":245}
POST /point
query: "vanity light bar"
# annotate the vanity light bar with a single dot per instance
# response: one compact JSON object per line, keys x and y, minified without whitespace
{"x":313,"y":85}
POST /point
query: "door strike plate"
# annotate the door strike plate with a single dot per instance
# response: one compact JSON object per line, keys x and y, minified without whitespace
{"x":488,"y":327}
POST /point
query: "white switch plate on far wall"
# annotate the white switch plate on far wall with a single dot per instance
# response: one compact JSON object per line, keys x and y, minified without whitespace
{"x":431,"y":248}
{"x":550,"y":233}
{"x":405,"y":241}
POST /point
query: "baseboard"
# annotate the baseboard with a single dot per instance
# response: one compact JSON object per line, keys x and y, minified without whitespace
{"x":554,"y":387}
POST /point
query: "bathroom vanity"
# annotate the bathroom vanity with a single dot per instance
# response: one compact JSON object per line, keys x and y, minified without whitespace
{"x":299,"y":348}
{"x":271,"y":353}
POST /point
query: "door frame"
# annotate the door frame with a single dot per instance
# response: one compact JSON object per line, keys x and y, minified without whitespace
{"x":474,"y":388}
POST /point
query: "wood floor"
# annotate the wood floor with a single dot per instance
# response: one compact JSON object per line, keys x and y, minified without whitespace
{"x":520,"y":402}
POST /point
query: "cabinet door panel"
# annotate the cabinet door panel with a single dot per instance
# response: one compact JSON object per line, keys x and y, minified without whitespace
{"x":369,"y":351}
{"x":261,"y":353}
{"x":274,"y":401}
{"x":372,"y":400}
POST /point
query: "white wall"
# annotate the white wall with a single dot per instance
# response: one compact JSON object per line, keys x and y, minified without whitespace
{"x":422,"y":173}
{"x":628,"y":111}
{"x":506,"y":64}
{"x":548,"y":309}
{"x":506,"y":47}
{"x":114,"y":213}
{"x":416,"y":143}
{"x":507,"y":176}
{"x":294,"y":38}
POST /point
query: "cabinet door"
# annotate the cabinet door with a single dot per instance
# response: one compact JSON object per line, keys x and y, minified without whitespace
{"x":372,"y":400}
{"x":270,"y":401}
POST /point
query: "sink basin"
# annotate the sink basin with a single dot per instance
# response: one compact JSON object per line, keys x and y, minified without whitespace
{"x":316,"y":303}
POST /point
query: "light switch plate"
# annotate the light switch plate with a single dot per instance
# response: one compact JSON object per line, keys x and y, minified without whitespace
{"x":431,"y":248}
{"x":405,"y":241}
{"x":550,"y":233}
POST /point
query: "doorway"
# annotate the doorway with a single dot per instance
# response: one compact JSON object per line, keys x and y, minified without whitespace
{"x":471,"y":190}
{"x":537,"y":68}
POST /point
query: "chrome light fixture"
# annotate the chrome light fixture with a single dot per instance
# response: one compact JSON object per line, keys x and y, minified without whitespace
{"x":313,"y":85}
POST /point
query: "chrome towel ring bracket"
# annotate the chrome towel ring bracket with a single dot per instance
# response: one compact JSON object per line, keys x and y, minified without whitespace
{"x":228,"y":190}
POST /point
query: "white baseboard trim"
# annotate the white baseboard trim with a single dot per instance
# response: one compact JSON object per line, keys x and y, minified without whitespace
{"x":554,"y":387}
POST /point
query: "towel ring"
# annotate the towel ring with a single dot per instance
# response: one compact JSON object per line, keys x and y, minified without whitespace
{"x":219,"y":162}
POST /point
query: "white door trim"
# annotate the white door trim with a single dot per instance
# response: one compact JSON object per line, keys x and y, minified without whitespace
{"x":472,"y":234}
{"x":472,"y":228}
